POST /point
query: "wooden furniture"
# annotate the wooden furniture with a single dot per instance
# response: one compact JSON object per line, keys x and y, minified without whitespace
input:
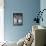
{"x":39,"y":35}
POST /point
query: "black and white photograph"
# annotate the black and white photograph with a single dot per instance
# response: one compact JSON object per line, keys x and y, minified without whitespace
{"x":17,"y":18}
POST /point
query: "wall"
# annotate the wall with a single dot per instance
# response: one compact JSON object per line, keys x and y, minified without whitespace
{"x":28,"y":8}
{"x":43,"y":6}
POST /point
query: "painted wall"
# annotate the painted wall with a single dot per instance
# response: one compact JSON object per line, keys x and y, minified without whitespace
{"x":28,"y":8}
{"x":43,"y":6}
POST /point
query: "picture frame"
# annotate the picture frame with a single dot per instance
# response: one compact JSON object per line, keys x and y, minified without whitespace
{"x":17,"y":19}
